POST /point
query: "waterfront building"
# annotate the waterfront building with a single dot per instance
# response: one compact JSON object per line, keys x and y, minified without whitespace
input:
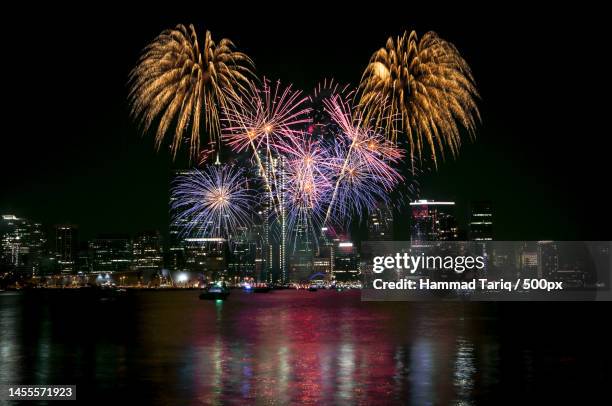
{"x":346,"y":262}
{"x":548,"y":259}
{"x":66,"y":248}
{"x":242,"y":255}
{"x":274,"y":256}
{"x":380,"y":224}
{"x":194,"y":251}
{"x":110,"y":253}
{"x":22,"y":245}
{"x":147,"y":251}
{"x":433,"y":221}
{"x":481,"y":221}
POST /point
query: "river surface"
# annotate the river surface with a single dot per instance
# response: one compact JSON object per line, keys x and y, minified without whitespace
{"x":299,"y":347}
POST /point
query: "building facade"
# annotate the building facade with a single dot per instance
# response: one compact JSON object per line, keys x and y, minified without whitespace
{"x":22,"y":245}
{"x":481,"y":221}
{"x":66,"y":248}
{"x":433,"y":221}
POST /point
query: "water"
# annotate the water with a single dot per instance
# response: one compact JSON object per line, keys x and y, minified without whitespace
{"x":286,"y":347}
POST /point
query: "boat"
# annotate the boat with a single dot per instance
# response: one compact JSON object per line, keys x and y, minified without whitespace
{"x":312,"y":288}
{"x":215,"y":291}
{"x":263,"y":288}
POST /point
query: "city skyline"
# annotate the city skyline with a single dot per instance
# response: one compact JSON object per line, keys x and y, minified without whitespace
{"x":243,"y":254}
{"x":27,"y":255}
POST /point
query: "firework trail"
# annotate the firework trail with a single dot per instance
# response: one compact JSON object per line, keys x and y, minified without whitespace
{"x":423,"y":88}
{"x":322,"y":124}
{"x":261,"y":115}
{"x":308,"y":178}
{"x":364,"y":158}
{"x":176,"y":81}
{"x":260,"y":118}
{"x":213,"y":202}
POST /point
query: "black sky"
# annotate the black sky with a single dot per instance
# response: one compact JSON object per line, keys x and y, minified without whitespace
{"x":71,"y":154}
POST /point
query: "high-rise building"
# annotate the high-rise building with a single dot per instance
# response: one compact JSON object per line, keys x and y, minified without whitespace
{"x":257,"y":232}
{"x":529,"y":260}
{"x":274,"y":222}
{"x":66,"y":247}
{"x":433,"y":221}
{"x":110,"y":253}
{"x":195,"y":250}
{"x":147,"y":252}
{"x":268,"y":205}
{"x":83,"y":260}
{"x":481,"y":221}
{"x":302,"y":250}
{"x":324,"y":259}
{"x":548,"y":259}
{"x":346,"y":262}
{"x":283,"y":246}
{"x":380,"y":224}
{"x":242,"y":255}
{"x":206,"y":255}
{"x":21,"y":245}
{"x":177,"y":227}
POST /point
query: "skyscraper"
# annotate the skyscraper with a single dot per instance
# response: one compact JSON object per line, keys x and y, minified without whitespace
{"x":325,"y":256}
{"x":110,"y":253}
{"x":206,"y":255}
{"x":346,"y":262}
{"x":380,"y":224}
{"x":282,"y":184}
{"x":433,"y":221}
{"x":302,"y":254}
{"x":147,"y":252}
{"x":66,"y":243}
{"x":195,"y":250}
{"x":529,"y":264}
{"x":548,"y":259}
{"x":21,"y":245}
{"x":274,"y":221}
{"x":481,"y":221}
{"x":242,"y":255}
{"x":267,"y":237}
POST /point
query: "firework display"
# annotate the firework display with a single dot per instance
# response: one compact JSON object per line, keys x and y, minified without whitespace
{"x":177,"y":81}
{"x":308,"y":173}
{"x":320,"y":160}
{"x":322,"y":124}
{"x":259,"y":118}
{"x":213,"y":202}
{"x":423,"y":88}
{"x":364,"y":161}
{"x":264,"y":115}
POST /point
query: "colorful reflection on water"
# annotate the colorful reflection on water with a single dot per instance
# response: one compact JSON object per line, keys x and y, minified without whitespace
{"x":297,"y":347}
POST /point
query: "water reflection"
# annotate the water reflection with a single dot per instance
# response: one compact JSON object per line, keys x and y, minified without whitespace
{"x":284,"y":347}
{"x":423,"y":372}
{"x":10,"y":339}
{"x":464,"y":371}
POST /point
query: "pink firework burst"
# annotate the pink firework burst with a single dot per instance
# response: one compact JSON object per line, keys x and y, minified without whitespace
{"x":364,"y":160}
{"x":262,"y":115}
{"x":309,"y":174}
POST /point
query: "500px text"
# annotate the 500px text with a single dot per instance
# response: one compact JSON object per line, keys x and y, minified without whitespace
{"x":484,"y":284}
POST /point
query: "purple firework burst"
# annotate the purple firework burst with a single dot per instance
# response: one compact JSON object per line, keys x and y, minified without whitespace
{"x":213,"y":202}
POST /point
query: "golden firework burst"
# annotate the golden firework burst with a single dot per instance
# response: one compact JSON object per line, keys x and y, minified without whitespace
{"x":423,"y":88}
{"x":180,"y":84}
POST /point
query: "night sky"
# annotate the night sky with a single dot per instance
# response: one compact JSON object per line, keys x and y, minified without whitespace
{"x":70,"y":153}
